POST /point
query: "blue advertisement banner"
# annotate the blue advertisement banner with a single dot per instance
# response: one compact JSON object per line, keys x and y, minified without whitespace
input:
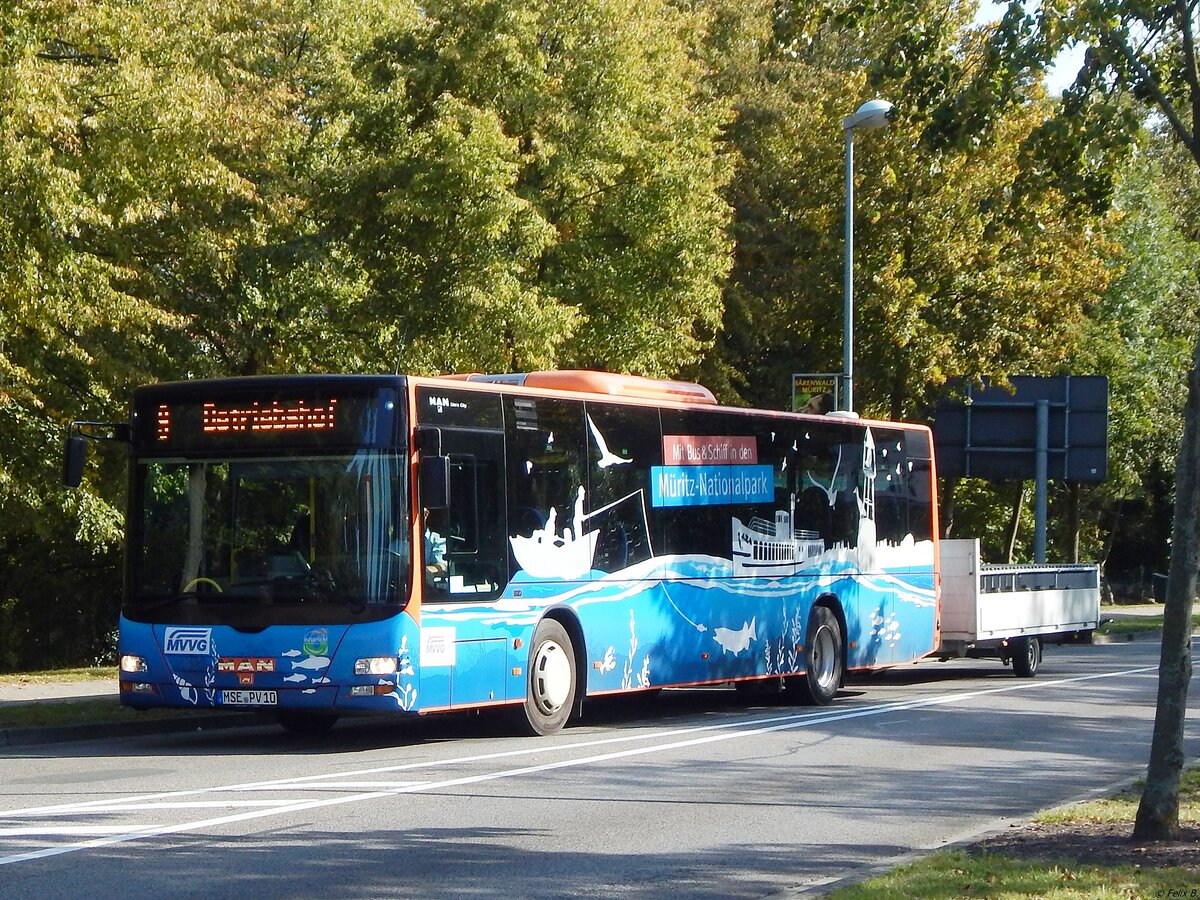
{"x":711,"y":485}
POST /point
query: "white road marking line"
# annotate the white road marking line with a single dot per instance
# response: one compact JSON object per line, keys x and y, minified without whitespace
{"x":64,"y":831}
{"x":118,"y":806}
{"x":749,"y":729}
{"x":332,"y":785}
{"x":813,"y":716}
{"x":426,"y":764}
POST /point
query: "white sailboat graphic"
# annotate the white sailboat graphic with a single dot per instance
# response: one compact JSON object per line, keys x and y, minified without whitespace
{"x":547,"y":554}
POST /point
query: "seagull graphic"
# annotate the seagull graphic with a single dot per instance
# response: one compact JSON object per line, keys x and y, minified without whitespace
{"x":607,"y":457}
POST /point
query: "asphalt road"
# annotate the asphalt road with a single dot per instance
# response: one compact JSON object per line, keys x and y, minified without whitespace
{"x":684,"y":793}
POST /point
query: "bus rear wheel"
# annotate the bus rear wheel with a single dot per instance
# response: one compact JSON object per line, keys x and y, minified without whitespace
{"x":823,"y":659}
{"x":551,"y":685}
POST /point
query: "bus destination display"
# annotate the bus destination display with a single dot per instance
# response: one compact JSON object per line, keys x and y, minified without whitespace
{"x":216,"y":419}
{"x":252,"y":423}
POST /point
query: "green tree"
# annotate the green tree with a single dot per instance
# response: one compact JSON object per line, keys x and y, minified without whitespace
{"x":537,"y":184}
{"x":194,"y":190}
{"x":1141,"y":57}
{"x":957,"y":272}
{"x":1132,"y":335}
{"x":154,"y":166}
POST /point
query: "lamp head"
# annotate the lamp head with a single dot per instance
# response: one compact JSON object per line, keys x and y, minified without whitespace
{"x":871,"y":115}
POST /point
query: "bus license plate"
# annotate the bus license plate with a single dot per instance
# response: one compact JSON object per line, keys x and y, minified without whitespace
{"x":249,"y":698}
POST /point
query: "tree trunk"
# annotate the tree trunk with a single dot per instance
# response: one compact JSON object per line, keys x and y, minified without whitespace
{"x":1111,"y":540}
{"x":946,"y":508}
{"x":1014,"y":524}
{"x":1073,"y":520}
{"x":1158,"y":812}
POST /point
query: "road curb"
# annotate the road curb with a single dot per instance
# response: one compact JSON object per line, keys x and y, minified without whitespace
{"x":57,"y":734}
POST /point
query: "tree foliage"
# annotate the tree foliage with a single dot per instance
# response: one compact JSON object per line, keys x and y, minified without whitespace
{"x":1141,"y":58}
{"x":192,"y":189}
{"x":537,"y":184}
{"x":958,"y":272}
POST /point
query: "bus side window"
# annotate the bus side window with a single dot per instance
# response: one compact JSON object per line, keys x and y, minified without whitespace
{"x":624,"y":444}
{"x":547,"y":479}
{"x":699,"y":525}
{"x":921,"y":491}
{"x":828,"y":470}
{"x":891,"y":486}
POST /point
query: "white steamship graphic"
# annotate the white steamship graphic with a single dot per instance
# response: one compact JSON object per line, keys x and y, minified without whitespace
{"x":775,"y":549}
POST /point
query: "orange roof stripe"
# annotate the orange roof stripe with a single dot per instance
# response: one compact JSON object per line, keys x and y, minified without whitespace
{"x":586,"y":381}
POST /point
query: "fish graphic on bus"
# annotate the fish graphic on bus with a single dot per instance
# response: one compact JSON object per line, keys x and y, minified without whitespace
{"x":735,"y":642}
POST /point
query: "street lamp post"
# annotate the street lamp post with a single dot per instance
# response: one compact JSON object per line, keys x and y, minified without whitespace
{"x":871,"y":115}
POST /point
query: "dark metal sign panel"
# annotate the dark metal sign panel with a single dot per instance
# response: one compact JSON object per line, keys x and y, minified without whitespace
{"x":992,"y":432}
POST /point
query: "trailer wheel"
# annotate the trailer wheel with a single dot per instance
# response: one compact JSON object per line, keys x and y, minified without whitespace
{"x":823,"y":659}
{"x":1026,"y":656}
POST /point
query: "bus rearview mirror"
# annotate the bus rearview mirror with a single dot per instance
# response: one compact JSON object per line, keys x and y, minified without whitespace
{"x":74,"y":456}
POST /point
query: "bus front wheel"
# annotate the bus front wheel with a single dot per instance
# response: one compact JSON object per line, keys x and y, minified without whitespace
{"x":823,"y":659}
{"x":550,"y":688}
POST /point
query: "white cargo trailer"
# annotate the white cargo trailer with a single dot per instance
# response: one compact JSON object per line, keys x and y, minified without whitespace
{"x":1011,"y":611}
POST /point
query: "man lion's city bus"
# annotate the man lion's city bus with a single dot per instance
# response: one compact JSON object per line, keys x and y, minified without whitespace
{"x":323,"y":545}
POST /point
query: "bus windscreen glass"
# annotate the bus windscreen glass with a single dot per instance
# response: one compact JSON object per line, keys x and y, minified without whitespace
{"x":278,"y":534}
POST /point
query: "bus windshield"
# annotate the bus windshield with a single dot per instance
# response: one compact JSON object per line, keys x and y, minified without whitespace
{"x":293,"y":538}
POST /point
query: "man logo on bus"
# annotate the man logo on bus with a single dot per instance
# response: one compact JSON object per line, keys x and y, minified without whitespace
{"x":188,"y":641}
{"x":444,"y":403}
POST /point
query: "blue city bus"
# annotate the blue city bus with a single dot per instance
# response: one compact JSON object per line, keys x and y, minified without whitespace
{"x":319,"y":545}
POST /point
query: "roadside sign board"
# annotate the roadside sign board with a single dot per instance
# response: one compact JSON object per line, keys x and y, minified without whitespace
{"x":820,"y":393}
{"x":992,"y":432}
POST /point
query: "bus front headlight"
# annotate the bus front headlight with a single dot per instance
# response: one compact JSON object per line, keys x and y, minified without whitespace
{"x":375,"y":665}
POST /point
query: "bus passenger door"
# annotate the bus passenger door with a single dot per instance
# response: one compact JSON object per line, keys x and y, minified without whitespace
{"x":464,"y":560}
{"x":464,"y":550}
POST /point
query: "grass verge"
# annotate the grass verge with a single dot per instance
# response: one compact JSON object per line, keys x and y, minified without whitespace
{"x":102,"y":710}
{"x":958,"y":874}
{"x":92,"y":673}
{"x":1122,"y":807}
{"x":1135,"y":624}
{"x":977,"y":872}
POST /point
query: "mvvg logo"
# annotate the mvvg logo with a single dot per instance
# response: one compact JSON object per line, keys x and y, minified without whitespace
{"x":189,"y":641}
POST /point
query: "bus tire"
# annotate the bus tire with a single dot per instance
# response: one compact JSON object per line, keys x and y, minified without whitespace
{"x":551,"y":684}
{"x":300,"y":722}
{"x":824,"y":659}
{"x":1026,"y":656}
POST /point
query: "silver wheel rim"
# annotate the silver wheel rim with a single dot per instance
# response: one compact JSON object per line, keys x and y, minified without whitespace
{"x":822,"y":661}
{"x":551,"y":677}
